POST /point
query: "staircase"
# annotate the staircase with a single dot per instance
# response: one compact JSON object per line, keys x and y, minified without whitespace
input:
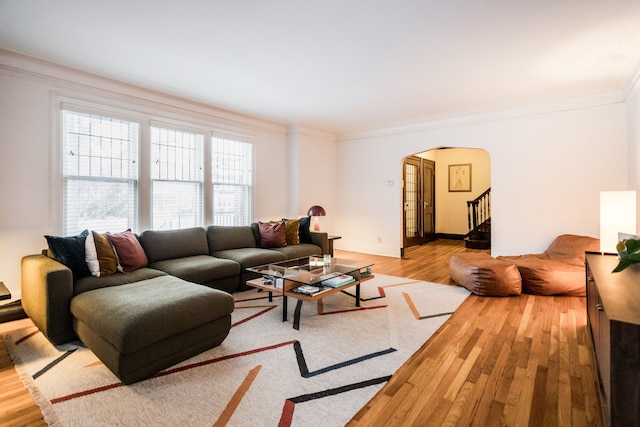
{"x":479,"y":217}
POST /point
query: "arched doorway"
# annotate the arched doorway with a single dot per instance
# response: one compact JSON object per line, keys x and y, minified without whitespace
{"x":437,"y":184}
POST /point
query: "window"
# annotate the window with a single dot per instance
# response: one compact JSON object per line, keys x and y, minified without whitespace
{"x":125,"y":169}
{"x":177,"y":179}
{"x":232,"y":177}
{"x":99,"y":173}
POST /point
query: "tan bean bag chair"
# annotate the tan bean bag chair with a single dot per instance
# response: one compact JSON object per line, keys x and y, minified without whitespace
{"x":557,"y":271}
{"x":484,"y":275}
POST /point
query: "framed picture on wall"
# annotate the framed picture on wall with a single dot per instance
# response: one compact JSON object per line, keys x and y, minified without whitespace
{"x":460,"y":177}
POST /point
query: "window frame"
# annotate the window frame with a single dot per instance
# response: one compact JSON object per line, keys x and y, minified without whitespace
{"x":200,"y":153}
{"x":146,"y":115}
{"x":251,"y":185}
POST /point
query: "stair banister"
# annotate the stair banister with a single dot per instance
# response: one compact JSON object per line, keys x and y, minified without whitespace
{"x":479,"y":213}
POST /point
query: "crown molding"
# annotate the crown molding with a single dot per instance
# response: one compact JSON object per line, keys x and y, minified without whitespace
{"x":613,"y":97}
{"x":301,"y":130}
{"x":96,"y":87}
{"x":634,"y":86}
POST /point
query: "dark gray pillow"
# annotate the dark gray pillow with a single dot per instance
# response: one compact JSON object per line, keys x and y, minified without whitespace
{"x":70,"y":252}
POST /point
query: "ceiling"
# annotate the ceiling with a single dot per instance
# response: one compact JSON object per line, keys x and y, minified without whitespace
{"x":342,"y":65}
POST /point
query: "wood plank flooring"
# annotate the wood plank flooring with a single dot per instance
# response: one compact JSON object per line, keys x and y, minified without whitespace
{"x":17,"y":408}
{"x":498,"y":361}
{"x":516,"y":361}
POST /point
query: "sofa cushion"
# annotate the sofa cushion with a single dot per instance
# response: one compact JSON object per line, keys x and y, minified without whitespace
{"x":305,"y":230}
{"x":202,"y":269}
{"x":222,"y":237}
{"x":100,"y":256}
{"x":70,"y":251}
{"x":291,"y":231}
{"x":272,"y":235}
{"x":133,"y":316}
{"x":91,"y":256}
{"x":169,"y":244}
{"x":484,"y":275}
{"x":130,"y":254}
{"x":251,"y":257}
{"x":300,"y":250}
{"x":91,"y":282}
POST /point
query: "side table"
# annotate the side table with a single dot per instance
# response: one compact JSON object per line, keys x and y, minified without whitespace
{"x":4,"y":292}
{"x":331,"y":239}
{"x":12,"y":310}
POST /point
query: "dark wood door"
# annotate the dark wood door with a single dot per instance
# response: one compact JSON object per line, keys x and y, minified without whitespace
{"x":418,"y":200}
{"x":428,"y":200}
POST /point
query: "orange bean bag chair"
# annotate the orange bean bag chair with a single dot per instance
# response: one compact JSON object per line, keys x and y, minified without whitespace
{"x":484,"y":275}
{"x":557,"y":271}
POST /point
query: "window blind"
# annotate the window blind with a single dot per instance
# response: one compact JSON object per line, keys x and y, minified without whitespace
{"x":232,"y":177}
{"x":100,"y":173}
{"x":177,"y":194}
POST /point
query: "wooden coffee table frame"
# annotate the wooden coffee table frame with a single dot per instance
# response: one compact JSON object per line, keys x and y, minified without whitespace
{"x":287,"y":291}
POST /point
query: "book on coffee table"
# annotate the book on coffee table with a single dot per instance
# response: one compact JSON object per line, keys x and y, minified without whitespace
{"x":337,"y":281}
{"x":311,"y":290}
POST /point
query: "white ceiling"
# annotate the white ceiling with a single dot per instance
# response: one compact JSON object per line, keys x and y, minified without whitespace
{"x":342,"y":65}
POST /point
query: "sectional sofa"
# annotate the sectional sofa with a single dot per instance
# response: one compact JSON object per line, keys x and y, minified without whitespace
{"x":171,"y":300}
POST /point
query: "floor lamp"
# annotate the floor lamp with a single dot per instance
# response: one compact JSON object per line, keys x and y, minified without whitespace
{"x":617,"y":215}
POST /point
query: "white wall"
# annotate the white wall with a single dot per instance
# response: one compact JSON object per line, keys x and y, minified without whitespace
{"x":312,"y":171}
{"x":451,"y":207}
{"x":28,"y":91}
{"x":633,"y":158}
{"x":546,"y":174}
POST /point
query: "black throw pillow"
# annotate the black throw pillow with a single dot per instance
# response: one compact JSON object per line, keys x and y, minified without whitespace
{"x":70,"y":252}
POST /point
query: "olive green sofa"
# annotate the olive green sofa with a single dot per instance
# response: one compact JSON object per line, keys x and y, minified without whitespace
{"x":146,"y":320}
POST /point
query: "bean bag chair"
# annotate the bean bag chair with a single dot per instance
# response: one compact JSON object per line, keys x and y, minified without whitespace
{"x":557,"y":271}
{"x":484,"y":275}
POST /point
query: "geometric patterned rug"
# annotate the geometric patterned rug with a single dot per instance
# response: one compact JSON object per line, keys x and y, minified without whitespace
{"x":265,"y":373}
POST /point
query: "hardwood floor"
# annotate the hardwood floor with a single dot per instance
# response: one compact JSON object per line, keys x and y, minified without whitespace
{"x":515,"y":361}
{"x":17,"y":408}
{"x":497,"y":361}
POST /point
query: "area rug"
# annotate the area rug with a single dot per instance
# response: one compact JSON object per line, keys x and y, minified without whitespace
{"x":266,"y":373}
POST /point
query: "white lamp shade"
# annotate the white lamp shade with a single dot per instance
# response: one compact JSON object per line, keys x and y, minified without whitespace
{"x":617,"y":215}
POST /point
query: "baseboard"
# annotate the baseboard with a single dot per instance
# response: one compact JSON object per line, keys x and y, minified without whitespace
{"x":448,"y":236}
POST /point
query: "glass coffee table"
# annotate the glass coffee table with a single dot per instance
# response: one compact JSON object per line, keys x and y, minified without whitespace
{"x":310,"y":279}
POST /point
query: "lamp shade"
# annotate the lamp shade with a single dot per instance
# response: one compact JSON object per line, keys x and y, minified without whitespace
{"x":316,"y":211}
{"x":617,"y":215}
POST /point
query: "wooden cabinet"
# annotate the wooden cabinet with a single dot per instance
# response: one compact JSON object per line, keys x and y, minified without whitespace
{"x":613,"y":311}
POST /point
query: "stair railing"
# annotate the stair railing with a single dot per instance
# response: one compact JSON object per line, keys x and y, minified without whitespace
{"x":479,"y":214}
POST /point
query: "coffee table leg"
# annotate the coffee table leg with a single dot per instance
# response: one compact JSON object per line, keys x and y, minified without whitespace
{"x":284,"y":308}
{"x":358,"y":295}
{"x":296,"y":315}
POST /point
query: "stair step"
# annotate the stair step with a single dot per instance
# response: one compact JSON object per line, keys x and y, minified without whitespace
{"x":477,"y":243}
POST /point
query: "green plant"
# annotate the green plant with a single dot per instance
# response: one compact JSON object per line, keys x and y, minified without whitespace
{"x":629,"y":253}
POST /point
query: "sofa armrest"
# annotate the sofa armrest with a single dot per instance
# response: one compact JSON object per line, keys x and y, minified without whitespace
{"x":47,"y":289}
{"x":321,"y":239}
